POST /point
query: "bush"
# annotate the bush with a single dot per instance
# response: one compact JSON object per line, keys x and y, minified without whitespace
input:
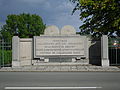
{"x":6,"y":57}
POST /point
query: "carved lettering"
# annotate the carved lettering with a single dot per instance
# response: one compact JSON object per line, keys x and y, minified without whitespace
{"x":59,"y":46}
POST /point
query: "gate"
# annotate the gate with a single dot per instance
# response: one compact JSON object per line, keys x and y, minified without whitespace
{"x":5,"y":53}
{"x":114,"y":51}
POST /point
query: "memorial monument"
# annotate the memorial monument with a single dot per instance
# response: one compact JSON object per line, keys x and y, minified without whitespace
{"x":60,"y":46}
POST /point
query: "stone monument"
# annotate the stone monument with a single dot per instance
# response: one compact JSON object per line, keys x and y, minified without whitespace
{"x":59,"y":46}
{"x":54,"y":46}
{"x":63,"y":44}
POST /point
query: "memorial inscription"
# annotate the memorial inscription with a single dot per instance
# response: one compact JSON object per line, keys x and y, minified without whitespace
{"x":60,"y":45}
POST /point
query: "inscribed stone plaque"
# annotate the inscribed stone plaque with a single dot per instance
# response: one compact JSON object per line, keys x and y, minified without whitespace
{"x":58,"y":45}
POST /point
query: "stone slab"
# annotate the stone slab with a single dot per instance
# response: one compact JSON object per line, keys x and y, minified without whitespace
{"x":59,"y":46}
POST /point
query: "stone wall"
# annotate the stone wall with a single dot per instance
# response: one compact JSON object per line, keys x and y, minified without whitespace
{"x":26,"y":51}
{"x":22,"y":51}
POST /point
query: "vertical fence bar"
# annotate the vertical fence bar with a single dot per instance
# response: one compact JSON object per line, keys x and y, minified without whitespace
{"x":119,"y":55}
{"x":2,"y":52}
{"x":5,"y":49}
{"x":10,"y":53}
{"x":116,"y":55}
{"x":5,"y":54}
{"x":115,"y":50}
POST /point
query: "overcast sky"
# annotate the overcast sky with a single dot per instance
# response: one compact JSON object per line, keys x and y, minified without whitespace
{"x":53,"y":12}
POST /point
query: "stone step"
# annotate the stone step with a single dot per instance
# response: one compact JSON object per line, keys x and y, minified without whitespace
{"x":60,"y":64}
{"x":67,"y":68}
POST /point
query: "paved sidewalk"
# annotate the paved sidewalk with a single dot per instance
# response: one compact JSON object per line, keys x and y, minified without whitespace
{"x":67,"y":68}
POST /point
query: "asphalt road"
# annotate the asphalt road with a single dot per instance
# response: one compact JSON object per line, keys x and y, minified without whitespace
{"x":105,"y":80}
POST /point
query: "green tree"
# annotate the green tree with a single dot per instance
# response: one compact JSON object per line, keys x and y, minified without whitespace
{"x":23,"y":25}
{"x":100,"y":17}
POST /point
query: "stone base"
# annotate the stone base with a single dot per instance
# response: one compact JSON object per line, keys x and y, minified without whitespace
{"x":46,"y":60}
{"x":73,"y":60}
{"x":105,"y":63}
{"x":25,"y":62}
{"x":15,"y":64}
{"x":83,"y":61}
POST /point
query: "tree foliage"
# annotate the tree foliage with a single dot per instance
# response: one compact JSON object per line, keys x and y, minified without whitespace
{"x":23,"y":25}
{"x":100,"y":17}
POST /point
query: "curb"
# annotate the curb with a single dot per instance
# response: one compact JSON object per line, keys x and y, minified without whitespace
{"x":61,"y":69}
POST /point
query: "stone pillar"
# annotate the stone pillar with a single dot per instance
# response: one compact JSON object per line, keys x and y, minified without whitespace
{"x":104,"y":51}
{"x":86,"y":50}
{"x":15,"y":51}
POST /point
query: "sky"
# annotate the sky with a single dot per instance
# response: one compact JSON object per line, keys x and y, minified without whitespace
{"x":53,"y":12}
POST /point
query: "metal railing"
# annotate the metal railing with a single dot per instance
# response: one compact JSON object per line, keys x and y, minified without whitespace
{"x":5,"y":53}
{"x":114,"y":51}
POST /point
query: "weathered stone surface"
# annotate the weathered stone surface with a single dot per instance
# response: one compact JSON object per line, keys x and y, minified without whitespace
{"x":68,"y":30}
{"x":104,"y":51}
{"x":59,"y":45}
{"x":15,"y":51}
{"x":26,"y":51}
{"x":57,"y":67}
{"x":51,"y":30}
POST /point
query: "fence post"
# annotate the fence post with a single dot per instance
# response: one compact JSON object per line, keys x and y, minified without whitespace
{"x":104,"y":51}
{"x":15,"y":51}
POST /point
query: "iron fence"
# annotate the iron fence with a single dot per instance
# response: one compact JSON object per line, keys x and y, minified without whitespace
{"x":5,"y":53}
{"x":114,"y":51}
